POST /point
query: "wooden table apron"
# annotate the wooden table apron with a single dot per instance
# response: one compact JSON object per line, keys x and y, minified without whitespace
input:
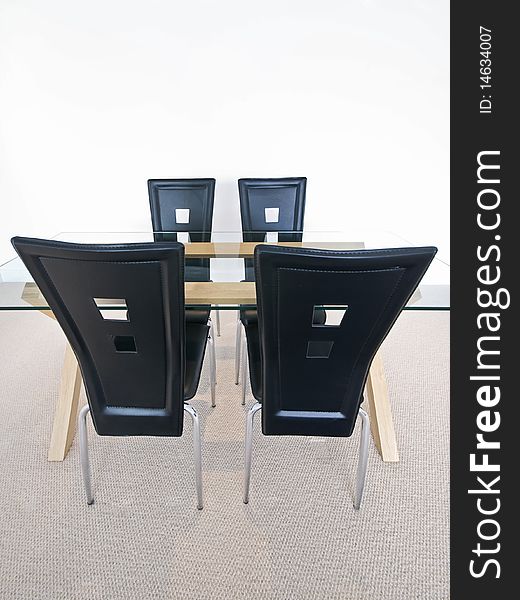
{"x":64,"y":425}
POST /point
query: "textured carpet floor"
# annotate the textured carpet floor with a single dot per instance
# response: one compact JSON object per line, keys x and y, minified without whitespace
{"x":299,"y":538}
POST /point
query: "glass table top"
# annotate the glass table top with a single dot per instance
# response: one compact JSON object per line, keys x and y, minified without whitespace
{"x":226,"y":251}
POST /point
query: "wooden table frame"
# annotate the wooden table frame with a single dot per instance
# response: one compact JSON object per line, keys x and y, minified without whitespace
{"x":64,"y":426}
{"x":247,"y":249}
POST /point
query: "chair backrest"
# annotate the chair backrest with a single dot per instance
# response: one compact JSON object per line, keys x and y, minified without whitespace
{"x":271,"y":205}
{"x":133,"y":361}
{"x":183,"y":205}
{"x":313,"y":373}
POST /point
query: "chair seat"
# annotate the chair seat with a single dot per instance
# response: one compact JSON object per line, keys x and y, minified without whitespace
{"x":197,"y":315}
{"x":196,"y":272}
{"x":196,"y":339}
{"x":254,"y":356}
{"x":250,"y":316}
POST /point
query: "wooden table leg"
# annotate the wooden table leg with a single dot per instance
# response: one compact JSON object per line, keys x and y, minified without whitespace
{"x":381,"y":422}
{"x":64,"y":425}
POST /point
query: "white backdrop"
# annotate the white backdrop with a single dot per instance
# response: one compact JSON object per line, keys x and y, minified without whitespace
{"x":96,"y":97}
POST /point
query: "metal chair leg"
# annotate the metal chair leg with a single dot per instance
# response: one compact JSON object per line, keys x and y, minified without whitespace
{"x":197,"y":452}
{"x":238,"y":348}
{"x":217,"y":318}
{"x":83,"y":452}
{"x":212,"y":367}
{"x":245,"y":368}
{"x":363,"y":458}
{"x":249,"y":447}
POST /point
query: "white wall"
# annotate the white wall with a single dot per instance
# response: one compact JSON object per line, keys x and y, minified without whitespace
{"x":96,"y":97}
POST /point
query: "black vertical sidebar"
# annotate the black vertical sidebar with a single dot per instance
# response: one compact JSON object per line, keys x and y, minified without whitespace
{"x":485,"y":356}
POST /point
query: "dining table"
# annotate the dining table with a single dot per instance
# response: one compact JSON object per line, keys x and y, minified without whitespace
{"x":226,"y":290}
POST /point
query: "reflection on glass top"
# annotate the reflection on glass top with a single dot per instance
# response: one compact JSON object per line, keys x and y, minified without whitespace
{"x":226,"y":251}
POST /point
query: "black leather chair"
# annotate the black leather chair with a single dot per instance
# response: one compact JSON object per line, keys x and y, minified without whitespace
{"x":308,"y":378}
{"x":186,"y":206}
{"x":183,"y":206}
{"x":140,"y":365}
{"x":267,"y":206}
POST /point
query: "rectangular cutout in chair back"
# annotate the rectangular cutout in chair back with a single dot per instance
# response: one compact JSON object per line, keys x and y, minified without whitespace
{"x":112,"y":314}
{"x":125,"y":343}
{"x":329,"y":315}
{"x":271,"y":236}
{"x":318,"y":349}
{"x":272,"y":215}
{"x":182,"y":215}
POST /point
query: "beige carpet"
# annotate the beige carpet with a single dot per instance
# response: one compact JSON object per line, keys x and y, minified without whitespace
{"x":299,"y":538}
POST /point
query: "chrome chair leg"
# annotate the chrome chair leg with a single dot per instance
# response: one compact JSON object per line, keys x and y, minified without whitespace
{"x":217,"y":318}
{"x":83,"y":452}
{"x":238,"y":337}
{"x":212,"y":367}
{"x":197,"y":452}
{"x":245,"y":367}
{"x":363,"y":458}
{"x":249,"y":447}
